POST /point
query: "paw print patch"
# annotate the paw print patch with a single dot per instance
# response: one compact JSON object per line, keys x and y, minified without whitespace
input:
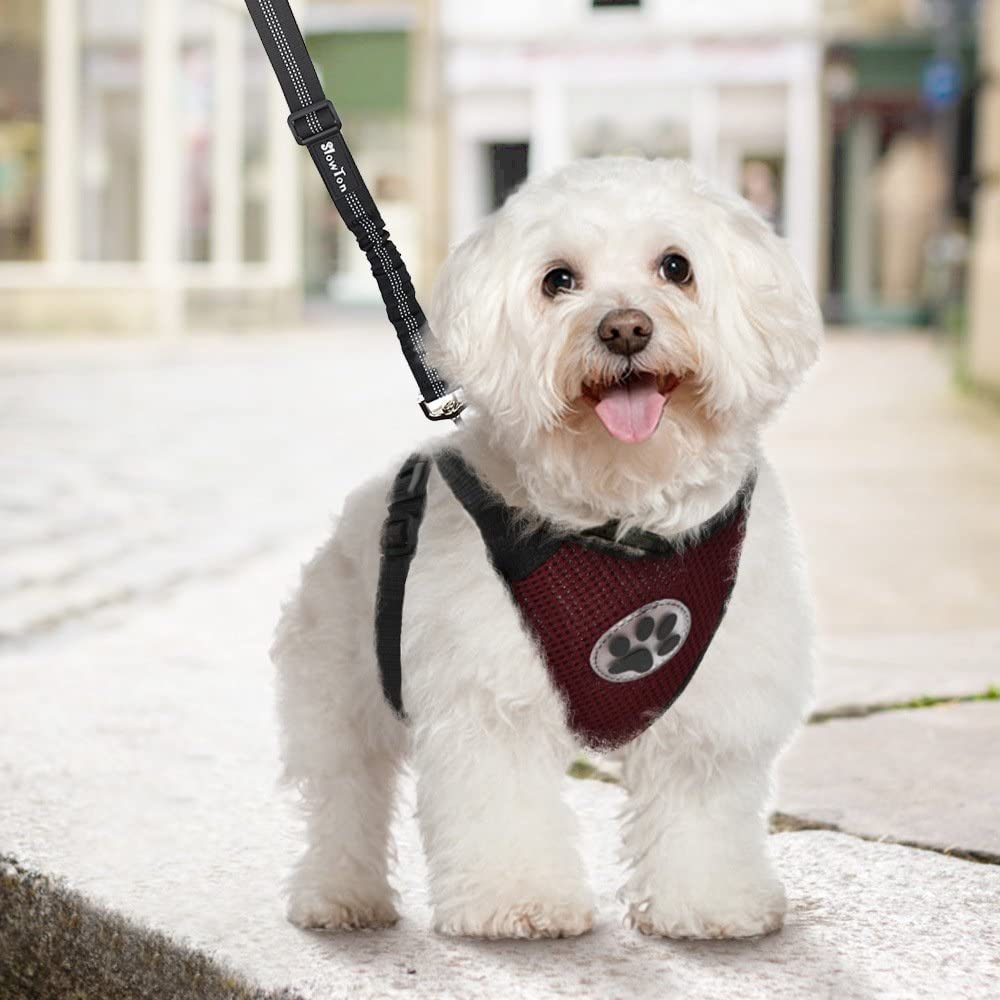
{"x":642,"y":642}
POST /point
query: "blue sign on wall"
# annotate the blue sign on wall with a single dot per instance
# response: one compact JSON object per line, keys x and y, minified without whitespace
{"x":941,"y":82}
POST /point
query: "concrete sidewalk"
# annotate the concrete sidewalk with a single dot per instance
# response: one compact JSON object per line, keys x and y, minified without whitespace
{"x":156,"y":501}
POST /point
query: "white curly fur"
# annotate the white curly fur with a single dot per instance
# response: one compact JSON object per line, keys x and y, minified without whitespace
{"x":486,"y":736}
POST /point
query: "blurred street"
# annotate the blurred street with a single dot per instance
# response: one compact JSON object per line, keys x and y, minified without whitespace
{"x":157,"y":497}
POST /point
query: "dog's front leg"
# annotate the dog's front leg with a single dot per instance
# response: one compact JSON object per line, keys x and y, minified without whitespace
{"x":696,"y":833}
{"x":500,"y":840}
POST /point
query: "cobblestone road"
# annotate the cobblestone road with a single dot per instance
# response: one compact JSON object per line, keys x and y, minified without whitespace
{"x":130,"y":468}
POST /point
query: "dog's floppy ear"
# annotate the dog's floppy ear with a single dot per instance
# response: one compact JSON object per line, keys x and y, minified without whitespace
{"x":469,"y":315}
{"x":766,"y":318}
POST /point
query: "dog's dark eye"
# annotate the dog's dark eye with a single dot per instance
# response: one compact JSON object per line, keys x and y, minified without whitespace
{"x":559,"y":279}
{"x":675,"y":268}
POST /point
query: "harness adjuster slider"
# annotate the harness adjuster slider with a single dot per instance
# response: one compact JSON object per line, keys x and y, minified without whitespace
{"x":410,"y":482}
{"x":319,"y":108}
{"x":399,"y":534}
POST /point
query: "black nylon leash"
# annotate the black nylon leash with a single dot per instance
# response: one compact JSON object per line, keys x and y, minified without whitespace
{"x":316,"y":125}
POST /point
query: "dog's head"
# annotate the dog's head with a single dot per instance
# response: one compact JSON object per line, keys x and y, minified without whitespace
{"x":622,"y":306}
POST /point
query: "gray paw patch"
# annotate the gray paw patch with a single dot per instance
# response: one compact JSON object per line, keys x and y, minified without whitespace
{"x":641,"y":642}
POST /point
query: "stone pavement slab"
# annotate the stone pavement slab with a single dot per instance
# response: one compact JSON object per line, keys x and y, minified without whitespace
{"x":926,"y":775}
{"x":865,"y":921}
{"x":138,"y":760}
{"x":894,"y":479}
{"x":860,"y":671}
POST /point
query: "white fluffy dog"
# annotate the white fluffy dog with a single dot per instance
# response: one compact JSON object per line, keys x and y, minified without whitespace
{"x":566,"y":422}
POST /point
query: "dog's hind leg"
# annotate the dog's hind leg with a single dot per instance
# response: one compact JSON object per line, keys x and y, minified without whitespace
{"x":342,"y":748}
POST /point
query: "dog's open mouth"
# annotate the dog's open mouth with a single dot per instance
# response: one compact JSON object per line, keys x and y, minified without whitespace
{"x":631,"y":407}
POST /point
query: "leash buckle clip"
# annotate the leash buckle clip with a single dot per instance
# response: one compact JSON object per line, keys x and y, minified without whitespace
{"x":447,"y":407}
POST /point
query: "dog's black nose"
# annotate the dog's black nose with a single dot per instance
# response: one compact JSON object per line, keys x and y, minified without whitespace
{"x":625,"y":331}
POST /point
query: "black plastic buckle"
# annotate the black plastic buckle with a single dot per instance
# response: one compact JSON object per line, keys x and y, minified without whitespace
{"x":411,"y":482}
{"x":399,"y":535}
{"x":314,"y":109}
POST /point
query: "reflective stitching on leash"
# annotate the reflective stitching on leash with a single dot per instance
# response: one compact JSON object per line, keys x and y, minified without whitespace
{"x":378,"y":244}
{"x":288,"y":58}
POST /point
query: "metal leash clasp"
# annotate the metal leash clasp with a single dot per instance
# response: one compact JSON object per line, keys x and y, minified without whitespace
{"x":447,"y":407}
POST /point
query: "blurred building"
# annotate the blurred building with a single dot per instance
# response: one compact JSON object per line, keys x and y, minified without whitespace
{"x":984,"y":298}
{"x":148,"y":180}
{"x":144,"y":167}
{"x":733,"y":86}
{"x":899,"y":85}
{"x":147,"y":177}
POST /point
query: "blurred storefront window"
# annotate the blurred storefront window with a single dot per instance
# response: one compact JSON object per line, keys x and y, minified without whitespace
{"x":896,"y":178}
{"x":21,"y":24}
{"x":110,"y":99}
{"x":256,"y":177}
{"x":197,"y":107}
{"x":508,"y":166}
{"x":143,"y":169}
{"x":197,"y":97}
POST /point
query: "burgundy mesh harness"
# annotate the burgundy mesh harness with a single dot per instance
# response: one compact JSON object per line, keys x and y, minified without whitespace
{"x":622,"y":623}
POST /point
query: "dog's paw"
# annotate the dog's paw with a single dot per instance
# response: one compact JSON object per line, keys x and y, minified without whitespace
{"x":739,"y":915}
{"x":314,"y":910}
{"x":520,"y":920}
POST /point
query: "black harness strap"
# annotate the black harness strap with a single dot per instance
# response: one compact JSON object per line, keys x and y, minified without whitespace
{"x":315,"y":124}
{"x":517,"y":546}
{"x":407,"y":502}
{"x":514,"y":548}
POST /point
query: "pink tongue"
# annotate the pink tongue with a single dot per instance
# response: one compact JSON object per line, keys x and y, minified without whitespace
{"x":631,"y":411}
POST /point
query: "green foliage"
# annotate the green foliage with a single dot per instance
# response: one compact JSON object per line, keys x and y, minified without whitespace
{"x":585,"y":770}
{"x":991,"y":693}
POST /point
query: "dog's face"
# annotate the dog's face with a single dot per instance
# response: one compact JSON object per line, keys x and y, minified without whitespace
{"x":622,"y":301}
